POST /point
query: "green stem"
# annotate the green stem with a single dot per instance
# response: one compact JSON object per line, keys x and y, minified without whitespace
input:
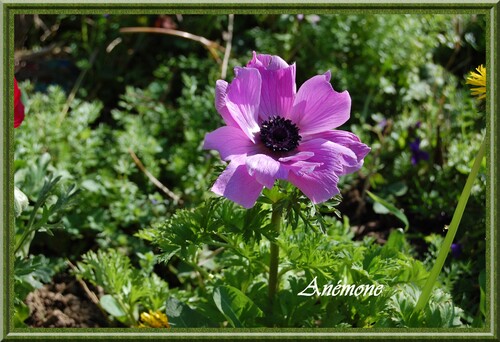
{"x":128,"y":309}
{"x":29,"y":228}
{"x":274,"y":258}
{"x":452,"y":230}
{"x":202,"y":274}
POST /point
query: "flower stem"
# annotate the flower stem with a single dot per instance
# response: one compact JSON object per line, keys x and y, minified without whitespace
{"x":452,"y":230}
{"x":274,"y":258}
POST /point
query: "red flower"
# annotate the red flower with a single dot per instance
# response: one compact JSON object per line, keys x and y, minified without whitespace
{"x":18,"y":106}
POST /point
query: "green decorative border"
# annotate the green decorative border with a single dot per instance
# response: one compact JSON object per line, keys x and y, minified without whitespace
{"x":10,"y":8}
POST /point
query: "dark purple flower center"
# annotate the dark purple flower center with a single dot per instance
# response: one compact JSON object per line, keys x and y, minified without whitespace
{"x":279,"y":134}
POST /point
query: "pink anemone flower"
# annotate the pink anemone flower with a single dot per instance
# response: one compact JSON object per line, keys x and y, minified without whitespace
{"x":275,"y":132}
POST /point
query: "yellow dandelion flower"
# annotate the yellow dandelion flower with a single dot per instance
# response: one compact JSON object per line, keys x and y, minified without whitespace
{"x":154,"y":320}
{"x":478,"y":79}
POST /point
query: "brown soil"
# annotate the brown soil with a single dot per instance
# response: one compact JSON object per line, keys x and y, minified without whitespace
{"x":364,"y":222}
{"x":64,"y":304}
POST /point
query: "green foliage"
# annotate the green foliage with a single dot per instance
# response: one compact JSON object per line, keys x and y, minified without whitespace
{"x":232,"y":274}
{"x":76,"y":151}
{"x":129,"y":290}
{"x":51,"y":201}
{"x":31,"y":273}
{"x":439,"y":313}
{"x":180,"y":315}
{"x":236,"y":307}
{"x":51,"y":204}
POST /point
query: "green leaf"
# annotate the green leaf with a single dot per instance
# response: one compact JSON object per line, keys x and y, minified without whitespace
{"x":392,"y":209}
{"x":21,"y":313}
{"x":109,"y":269}
{"x":91,"y":185}
{"x":380,"y":209}
{"x":396,"y":240}
{"x":111,"y":305}
{"x":273,"y":195}
{"x":181,"y":315}
{"x":169,"y":250}
{"x":235,"y":305}
{"x":34,"y":271}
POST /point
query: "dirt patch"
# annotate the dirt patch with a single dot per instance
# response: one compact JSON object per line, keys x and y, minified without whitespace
{"x":64,"y":304}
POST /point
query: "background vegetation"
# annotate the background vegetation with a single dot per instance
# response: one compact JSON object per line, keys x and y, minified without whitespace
{"x":108,"y":110}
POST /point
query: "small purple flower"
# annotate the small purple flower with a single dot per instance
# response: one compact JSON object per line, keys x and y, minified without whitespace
{"x":416,"y":153}
{"x":275,"y":132}
{"x":456,"y":250}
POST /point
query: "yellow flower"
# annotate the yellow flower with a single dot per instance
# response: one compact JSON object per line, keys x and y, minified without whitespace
{"x":154,"y":320}
{"x":478,"y":79}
